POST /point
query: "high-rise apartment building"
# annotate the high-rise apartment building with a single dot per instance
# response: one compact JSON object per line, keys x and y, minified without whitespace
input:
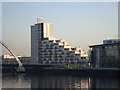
{"x":45,"y":49}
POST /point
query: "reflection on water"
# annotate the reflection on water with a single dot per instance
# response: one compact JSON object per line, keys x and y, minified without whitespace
{"x":105,"y":83}
{"x":13,"y":80}
{"x":22,"y":80}
{"x":59,"y":82}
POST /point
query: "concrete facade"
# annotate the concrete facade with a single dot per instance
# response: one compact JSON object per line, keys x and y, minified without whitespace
{"x":45,"y":49}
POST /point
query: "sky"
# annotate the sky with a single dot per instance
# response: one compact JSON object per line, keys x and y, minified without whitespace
{"x":79,"y":23}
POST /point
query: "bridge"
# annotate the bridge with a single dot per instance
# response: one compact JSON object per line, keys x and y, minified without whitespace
{"x":20,"y":67}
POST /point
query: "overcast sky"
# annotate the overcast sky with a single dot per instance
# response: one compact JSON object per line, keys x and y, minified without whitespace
{"x":79,"y":23}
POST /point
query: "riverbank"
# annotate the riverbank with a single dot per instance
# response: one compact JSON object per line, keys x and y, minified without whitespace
{"x":82,"y":72}
{"x":63,"y":70}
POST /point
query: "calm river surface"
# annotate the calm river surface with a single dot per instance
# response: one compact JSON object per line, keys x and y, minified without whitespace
{"x":26,"y":80}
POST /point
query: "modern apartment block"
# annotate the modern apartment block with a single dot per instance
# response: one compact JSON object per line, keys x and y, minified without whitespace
{"x":45,"y":49}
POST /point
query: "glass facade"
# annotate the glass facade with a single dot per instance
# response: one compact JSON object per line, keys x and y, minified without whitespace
{"x":105,"y":56}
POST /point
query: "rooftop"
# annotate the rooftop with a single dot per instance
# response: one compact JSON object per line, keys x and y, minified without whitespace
{"x":112,"y":44}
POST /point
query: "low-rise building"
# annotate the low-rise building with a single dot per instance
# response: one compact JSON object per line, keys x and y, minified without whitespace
{"x":106,"y":55}
{"x":9,"y":59}
{"x":9,"y":56}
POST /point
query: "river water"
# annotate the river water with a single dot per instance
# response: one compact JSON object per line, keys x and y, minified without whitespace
{"x":27,"y":80}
